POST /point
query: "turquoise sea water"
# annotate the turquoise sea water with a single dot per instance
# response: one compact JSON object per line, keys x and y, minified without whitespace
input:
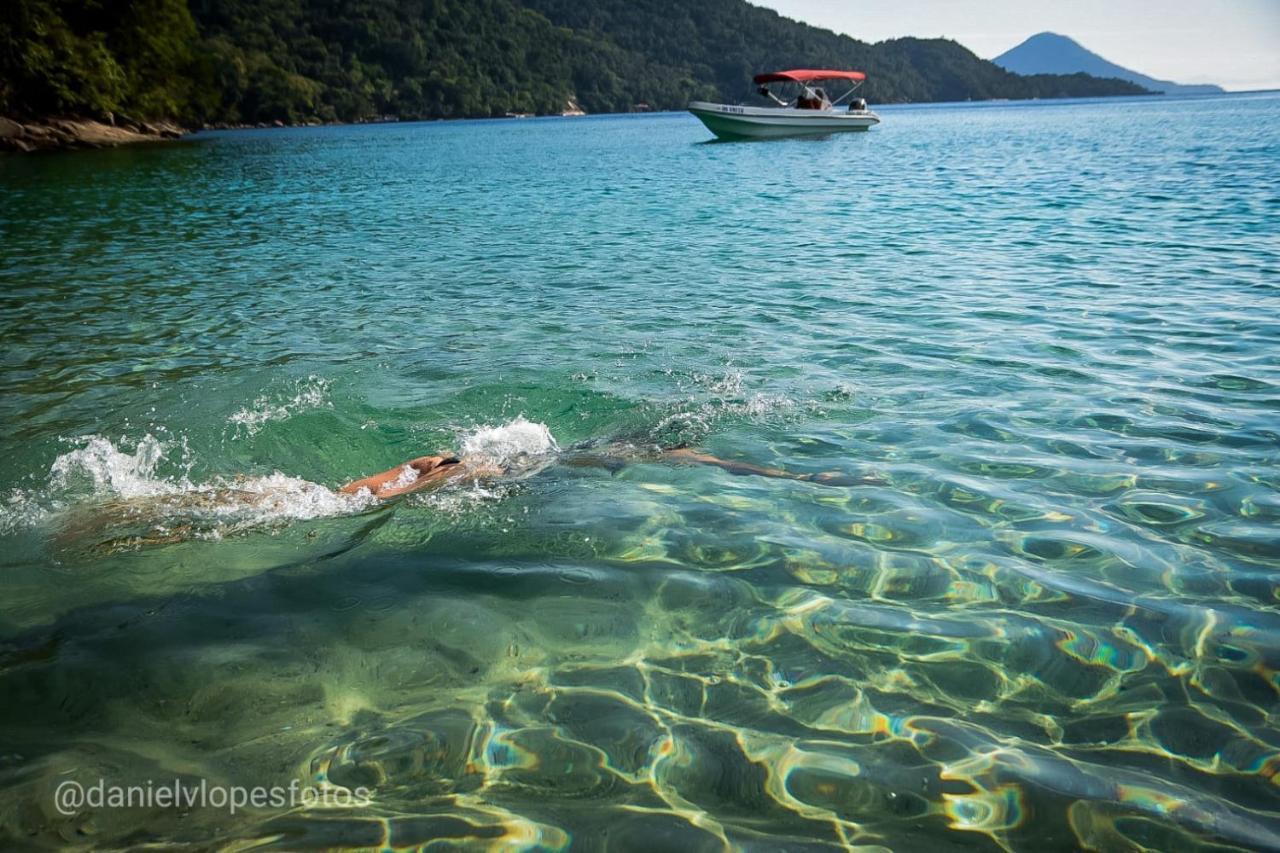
{"x":1038,"y":344}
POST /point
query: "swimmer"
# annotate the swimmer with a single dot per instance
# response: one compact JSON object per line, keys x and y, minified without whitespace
{"x":129,"y":523}
{"x":431,"y":471}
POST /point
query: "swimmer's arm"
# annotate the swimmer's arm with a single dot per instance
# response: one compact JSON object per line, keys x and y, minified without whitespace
{"x":429,"y":470}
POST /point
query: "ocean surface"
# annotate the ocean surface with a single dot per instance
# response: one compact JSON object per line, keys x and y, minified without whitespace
{"x":1010,"y":582}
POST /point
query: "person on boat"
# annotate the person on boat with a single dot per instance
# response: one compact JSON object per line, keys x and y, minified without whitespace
{"x":810,"y":99}
{"x":766,"y":92}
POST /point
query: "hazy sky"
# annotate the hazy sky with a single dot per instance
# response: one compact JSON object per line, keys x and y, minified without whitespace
{"x":1234,"y":43}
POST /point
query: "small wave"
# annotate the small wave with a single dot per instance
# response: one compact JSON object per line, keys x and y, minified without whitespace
{"x":310,"y":393}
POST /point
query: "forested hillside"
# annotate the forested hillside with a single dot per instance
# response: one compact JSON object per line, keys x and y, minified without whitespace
{"x":299,"y":60}
{"x":724,"y":42}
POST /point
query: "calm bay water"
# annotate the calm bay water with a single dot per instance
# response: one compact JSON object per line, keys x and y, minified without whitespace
{"x":1042,"y":341}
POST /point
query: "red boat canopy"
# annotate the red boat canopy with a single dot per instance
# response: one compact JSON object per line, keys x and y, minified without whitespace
{"x":807,"y":75}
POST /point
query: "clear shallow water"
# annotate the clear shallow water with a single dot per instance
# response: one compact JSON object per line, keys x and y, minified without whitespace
{"x":1044,"y":336}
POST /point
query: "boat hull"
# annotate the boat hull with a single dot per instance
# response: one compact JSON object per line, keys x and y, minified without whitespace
{"x":734,"y":122}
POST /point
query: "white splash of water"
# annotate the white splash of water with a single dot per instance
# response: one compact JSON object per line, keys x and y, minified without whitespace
{"x":710,"y":398}
{"x":515,"y":443}
{"x":731,"y":383}
{"x":96,"y":470}
{"x":760,"y":405}
{"x":311,"y":393}
{"x":461,"y":501}
{"x":255,"y":501}
{"x":22,"y":510}
{"x":113,"y":472}
{"x":506,"y":454}
{"x":102,"y":474}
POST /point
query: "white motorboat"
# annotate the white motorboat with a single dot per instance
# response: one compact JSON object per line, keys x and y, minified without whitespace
{"x":810,"y":111}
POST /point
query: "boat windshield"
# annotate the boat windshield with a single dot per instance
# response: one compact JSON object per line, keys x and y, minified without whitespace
{"x":800,"y":96}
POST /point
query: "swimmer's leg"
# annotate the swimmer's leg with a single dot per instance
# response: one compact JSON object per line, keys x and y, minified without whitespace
{"x":616,"y":455}
{"x":740,"y":469}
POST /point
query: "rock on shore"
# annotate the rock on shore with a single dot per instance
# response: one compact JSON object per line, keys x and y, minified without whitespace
{"x":56,"y":133}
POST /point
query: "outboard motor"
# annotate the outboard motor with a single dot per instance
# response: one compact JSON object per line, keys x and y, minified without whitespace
{"x":858,"y":105}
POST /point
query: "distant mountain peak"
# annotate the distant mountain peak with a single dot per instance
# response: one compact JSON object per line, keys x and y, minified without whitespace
{"x":1054,"y":53}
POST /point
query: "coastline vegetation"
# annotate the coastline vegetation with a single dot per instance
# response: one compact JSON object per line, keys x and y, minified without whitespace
{"x":248,"y":61}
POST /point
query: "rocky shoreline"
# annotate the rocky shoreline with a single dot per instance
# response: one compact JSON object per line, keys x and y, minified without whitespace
{"x":51,"y":134}
{"x":60,"y":134}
